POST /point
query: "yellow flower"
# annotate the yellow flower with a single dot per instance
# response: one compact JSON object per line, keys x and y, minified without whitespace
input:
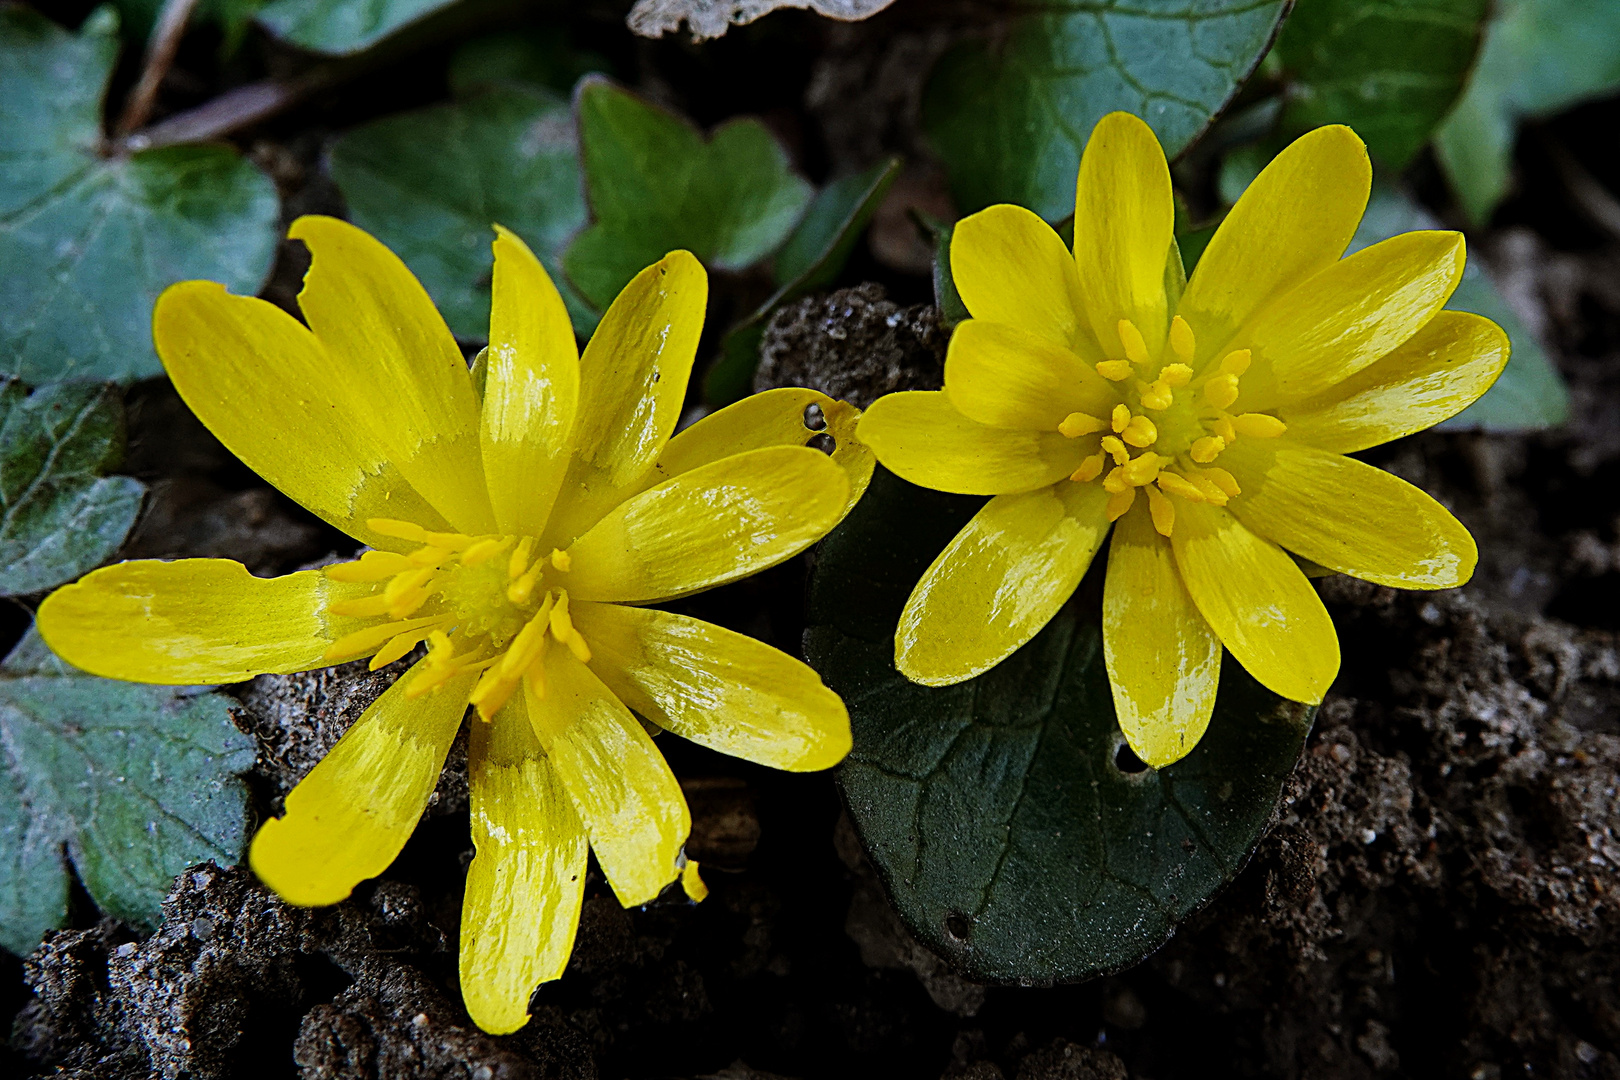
{"x":1208,"y":418}
{"x":512,"y":523}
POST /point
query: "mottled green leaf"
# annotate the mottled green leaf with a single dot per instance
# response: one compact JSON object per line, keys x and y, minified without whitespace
{"x":811,"y":259}
{"x":88,"y":242}
{"x":59,"y":517}
{"x":1530,"y":394}
{"x":655,"y":184}
{"x":1011,"y":836}
{"x":341,"y":27}
{"x":132,"y":783}
{"x":1390,"y":70}
{"x":430,"y":183}
{"x":1010,"y":117}
{"x":1540,"y":57}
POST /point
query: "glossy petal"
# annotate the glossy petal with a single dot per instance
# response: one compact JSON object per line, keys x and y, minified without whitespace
{"x":710,"y":525}
{"x":1124,"y":223}
{"x":1348,"y":516}
{"x":1010,"y":267}
{"x":1294,"y":220}
{"x":194,"y":622}
{"x":1006,"y":377}
{"x":282,"y":403}
{"x":999,"y":582}
{"x":772,"y":418}
{"x":1437,"y":373}
{"x":348,"y":819}
{"x":1163,"y":660}
{"x":621,"y":788}
{"x":1258,"y":602}
{"x":632,"y":381}
{"x":527,"y":880}
{"x":718,"y":688}
{"x":530,"y":391}
{"x":394,"y":366}
{"x":919,"y":436}
{"x":1348,"y":316}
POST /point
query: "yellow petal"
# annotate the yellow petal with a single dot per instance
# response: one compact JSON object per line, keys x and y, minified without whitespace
{"x":708,"y":526}
{"x":1435,"y":374}
{"x":1347,"y":316}
{"x":527,"y":880}
{"x":195,"y":621}
{"x":1294,"y":220}
{"x":1258,"y":602}
{"x":632,"y":381}
{"x":530,"y":391}
{"x":773,"y":418}
{"x":1163,"y":660}
{"x":315,"y":428}
{"x":621,"y":788}
{"x":1006,"y":377}
{"x":1349,"y":516}
{"x":1010,"y":267}
{"x":921,"y":437}
{"x":394,"y":366}
{"x":718,"y":688}
{"x":999,"y":582}
{"x":1124,"y":223}
{"x":349,"y":818}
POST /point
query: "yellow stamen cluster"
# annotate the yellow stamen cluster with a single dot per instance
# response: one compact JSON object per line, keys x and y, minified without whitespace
{"x":1172,"y":452}
{"x":477,"y":611}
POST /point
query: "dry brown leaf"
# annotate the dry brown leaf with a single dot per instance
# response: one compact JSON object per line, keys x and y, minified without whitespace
{"x":711,"y":18}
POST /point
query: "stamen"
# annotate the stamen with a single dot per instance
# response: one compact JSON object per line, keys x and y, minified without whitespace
{"x":1207,"y":449}
{"x":1180,"y":485}
{"x":1089,"y":469}
{"x":439,"y":667}
{"x":485,"y":550}
{"x":1211,"y":493}
{"x":562,"y":628}
{"x":372,"y":566}
{"x":1143,"y":470}
{"x":397,"y":646}
{"x":1077,"y":424}
{"x":1120,"y":417}
{"x":1114,"y":370}
{"x":520,"y":558}
{"x":1176,"y":375}
{"x":1116,"y":449}
{"x":1115,"y":483}
{"x":1258,"y":425}
{"x":402,"y":530}
{"x":1221,"y":391}
{"x":363,"y":641}
{"x":1140,"y":432}
{"x":561,"y":559}
{"x":1157,"y":396}
{"x":1223,"y":480}
{"x":1182,"y":342}
{"x":520,"y":590}
{"x":1237,"y":361}
{"x":1135,"y":347}
{"x":1223,"y":427}
{"x":1162,"y":511}
{"x":429,"y":556}
{"x":1119,"y":503}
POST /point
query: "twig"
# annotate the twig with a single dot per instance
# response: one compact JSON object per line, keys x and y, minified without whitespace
{"x":231,"y":111}
{"x":160,"y":50}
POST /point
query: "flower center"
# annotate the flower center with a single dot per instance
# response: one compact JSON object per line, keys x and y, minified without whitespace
{"x":1164,"y":437}
{"x":480,"y":602}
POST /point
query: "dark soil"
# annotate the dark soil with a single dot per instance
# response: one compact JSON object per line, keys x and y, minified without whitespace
{"x":1438,"y":895}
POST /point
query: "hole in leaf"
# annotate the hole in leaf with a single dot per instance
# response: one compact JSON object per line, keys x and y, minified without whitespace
{"x":813,"y":418}
{"x":959,"y":926}
{"x":1126,"y":761}
{"x":825,"y":443}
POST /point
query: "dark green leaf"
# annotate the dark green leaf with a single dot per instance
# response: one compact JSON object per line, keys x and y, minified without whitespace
{"x":1540,"y":57}
{"x":231,"y":16}
{"x":1390,"y":70}
{"x":539,"y":57}
{"x":342,"y":27}
{"x":1011,"y":120}
{"x":1008,"y":837}
{"x":58,"y":515}
{"x":656,"y":184}
{"x":810,"y":260}
{"x":88,"y":242}
{"x":430,"y":183}
{"x":1530,"y":395}
{"x":946,"y":298}
{"x":135,"y":782}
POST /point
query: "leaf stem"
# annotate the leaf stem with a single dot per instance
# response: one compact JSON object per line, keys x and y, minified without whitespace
{"x":160,"y":50}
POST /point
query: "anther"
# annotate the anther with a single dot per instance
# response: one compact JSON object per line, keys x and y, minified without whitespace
{"x":1135,"y":347}
{"x":1237,"y":361}
{"x":1143,"y":469}
{"x":402,"y":530}
{"x":1258,"y":425}
{"x":520,"y":558}
{"x":1140,"y":432}
{"x":1206,"y":486}
{"x":485,"y":550}
{"x":1223,"y":480}
{"x":1116,"y":449}
{"x":1114,"y":370}
{"x":1121,"y":416}
{"x":561,"y":559}
{"x":1089,"y":469}
{"x":1119,"y":503}
{"x":372,"y":566}
{"x":1115,"y":483}
{"x":1223,"y":427}
{"x":1157,"y":396}
{"x":1182,"y":342}
{"x":1221,"y":391}
{"x":1176,"y":375}
{"x":397,"y":646}
{"x":1180,"y":485}
{"x":1077,"y":424}
{"x":1162,"y":510}
{"x":1206,"y":449}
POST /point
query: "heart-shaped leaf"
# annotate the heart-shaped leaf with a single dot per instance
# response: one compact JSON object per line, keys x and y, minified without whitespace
{"x":1010,"y":119}
{"x":341,"y":27}
{"x":87,"y":241}
{"x":59,"y":517}
{"x":656,"y":184}
{"x":135,"y":782}
{"x":1013,"y":836}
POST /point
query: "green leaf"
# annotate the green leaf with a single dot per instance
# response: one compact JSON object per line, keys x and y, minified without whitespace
{"x":811,"y":259}
{"x":1010,"y":120}
{"x":430,"y":183}
{"x":656,"y":184}
{"x":231,"y":16}
{"x":1540,"y":57}
{"x":1389,"y":70}
{"x":544,"y":57}
{"x":1008,"y":838}
{"x":1530,"y":395}
{"x":58,"y":516}
{"x":951,"y":308}
{"x":342,"y":27}
{"x":89,"y":242}
{"x":135,"y":782}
